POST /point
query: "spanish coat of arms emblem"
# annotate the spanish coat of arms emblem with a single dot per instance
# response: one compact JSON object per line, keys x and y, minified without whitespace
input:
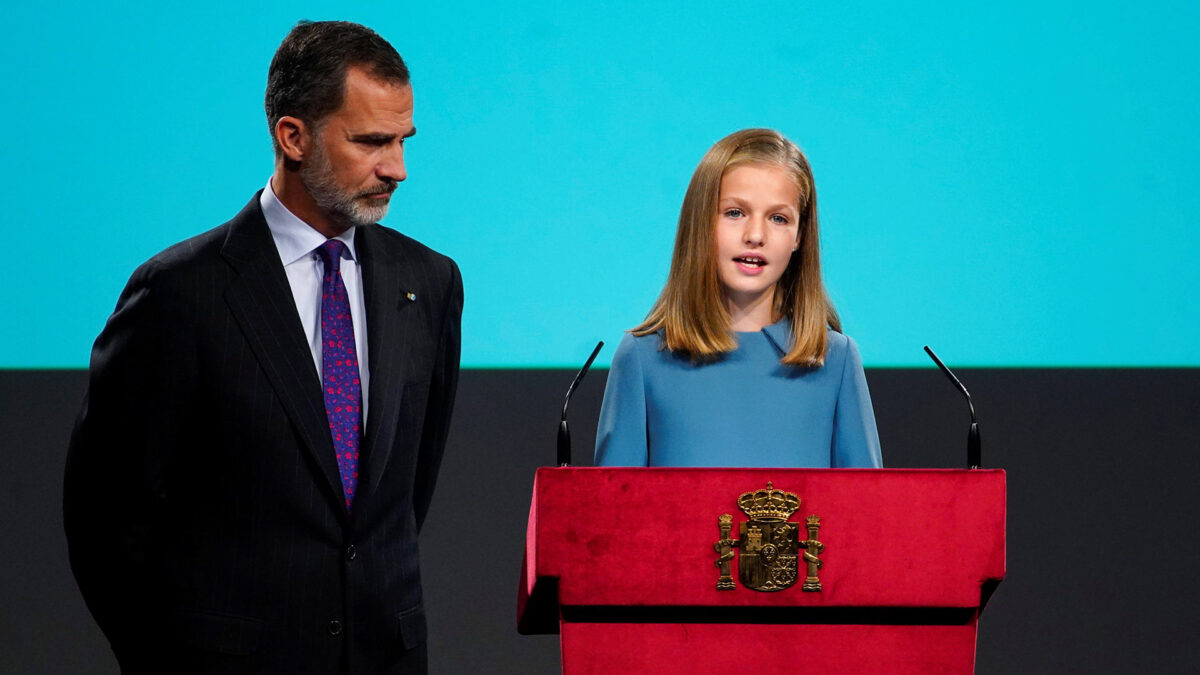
{"x":771,"y":547}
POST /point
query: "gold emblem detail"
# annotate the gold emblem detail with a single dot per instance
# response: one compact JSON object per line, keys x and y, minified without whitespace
{"x":812,"y":549}
{"x":771,"y":546}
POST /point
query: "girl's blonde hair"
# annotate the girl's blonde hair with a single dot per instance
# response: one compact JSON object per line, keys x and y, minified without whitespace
{"x":691,"y":311}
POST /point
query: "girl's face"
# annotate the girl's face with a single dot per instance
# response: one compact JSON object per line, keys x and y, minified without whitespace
{"x":757,"y":227}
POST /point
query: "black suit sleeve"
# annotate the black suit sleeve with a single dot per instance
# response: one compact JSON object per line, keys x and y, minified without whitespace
{"x":440,"y":407}
{"x":118,"y":457}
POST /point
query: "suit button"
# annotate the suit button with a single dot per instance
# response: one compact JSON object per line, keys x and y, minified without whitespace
{"x":351,"y":552}
{"x":335,"y":627}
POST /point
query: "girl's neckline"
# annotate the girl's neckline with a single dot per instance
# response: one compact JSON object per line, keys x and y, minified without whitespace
{"x":755,"y":332}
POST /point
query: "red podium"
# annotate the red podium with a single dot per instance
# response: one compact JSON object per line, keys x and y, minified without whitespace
{"x":624,"y":564}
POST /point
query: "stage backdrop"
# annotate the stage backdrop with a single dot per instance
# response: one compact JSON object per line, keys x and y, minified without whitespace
{"x":1012,"y":182}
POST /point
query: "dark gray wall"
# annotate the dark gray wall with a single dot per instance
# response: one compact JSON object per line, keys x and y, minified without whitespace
{"x":1102,"y":521}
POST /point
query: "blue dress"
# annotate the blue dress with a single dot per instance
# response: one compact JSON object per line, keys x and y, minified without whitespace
{"x":744,"y":410}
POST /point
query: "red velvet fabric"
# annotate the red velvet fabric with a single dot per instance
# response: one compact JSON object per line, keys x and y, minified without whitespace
{"x":894,"y":539}
{"x":726,"y":649}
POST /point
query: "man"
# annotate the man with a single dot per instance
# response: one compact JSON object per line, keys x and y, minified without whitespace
{"x":268,"y":404}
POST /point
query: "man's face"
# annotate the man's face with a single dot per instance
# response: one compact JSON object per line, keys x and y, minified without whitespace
{"x":357,"y":154}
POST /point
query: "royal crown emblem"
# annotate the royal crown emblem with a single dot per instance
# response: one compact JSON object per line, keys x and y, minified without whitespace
{"x":769,"y":504}
{"x":770,"y":544}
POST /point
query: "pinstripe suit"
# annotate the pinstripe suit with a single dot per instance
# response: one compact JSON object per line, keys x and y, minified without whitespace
{"x":203,"y":506}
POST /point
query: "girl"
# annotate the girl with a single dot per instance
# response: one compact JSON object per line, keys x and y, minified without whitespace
{"x":741,"y":361}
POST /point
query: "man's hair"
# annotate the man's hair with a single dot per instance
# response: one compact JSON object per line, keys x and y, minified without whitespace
{"x":307,"y":78}
{"x":691,"y":311}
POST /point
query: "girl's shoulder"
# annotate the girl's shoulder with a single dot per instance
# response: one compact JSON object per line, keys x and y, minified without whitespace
{"x":636,"y":347}
{"x":649,"y":354}
{"x":649,"y":342}
{"x":841,"y":350}
{"x":837,"y":342}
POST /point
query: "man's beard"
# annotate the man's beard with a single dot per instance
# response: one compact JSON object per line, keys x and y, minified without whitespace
{"x":342,"y":207}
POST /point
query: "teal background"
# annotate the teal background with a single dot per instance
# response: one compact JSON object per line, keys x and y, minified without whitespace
{"x":1014,"y":184}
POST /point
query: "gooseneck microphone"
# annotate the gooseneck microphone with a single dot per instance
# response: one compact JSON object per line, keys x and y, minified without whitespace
{"x":973,"y":452}
{"x":564,"y":434}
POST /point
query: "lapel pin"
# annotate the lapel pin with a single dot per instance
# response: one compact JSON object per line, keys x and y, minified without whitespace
{"x":412,"y":297}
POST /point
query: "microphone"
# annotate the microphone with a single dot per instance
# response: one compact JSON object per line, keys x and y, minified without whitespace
{"x":973,"y":452}
{"x":564,"y":434}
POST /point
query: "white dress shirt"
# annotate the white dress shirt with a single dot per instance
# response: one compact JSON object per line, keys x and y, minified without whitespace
{"x":297,"y":243}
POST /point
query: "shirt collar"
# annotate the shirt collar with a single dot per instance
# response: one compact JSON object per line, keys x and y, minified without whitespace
{"x":779,"y":334}
{"x":294,"y":238}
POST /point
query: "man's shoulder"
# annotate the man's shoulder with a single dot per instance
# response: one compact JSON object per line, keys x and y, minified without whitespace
{"x":388,"y":244}
{"x":199,"y":255}
{"x":193,"y":249}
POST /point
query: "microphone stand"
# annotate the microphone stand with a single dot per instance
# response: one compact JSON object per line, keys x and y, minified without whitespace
{"x":564,"y":434}
{"x":973,"y":452}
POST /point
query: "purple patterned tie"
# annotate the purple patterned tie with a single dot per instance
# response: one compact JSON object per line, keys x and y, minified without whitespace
{"x":339,"y":360}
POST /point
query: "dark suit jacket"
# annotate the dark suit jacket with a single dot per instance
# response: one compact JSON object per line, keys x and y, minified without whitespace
{"x":203,"y":507}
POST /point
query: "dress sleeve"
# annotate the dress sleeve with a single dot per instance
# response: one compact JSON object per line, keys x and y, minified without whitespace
{"x":855,"y":438}
{"x":621,"y":438}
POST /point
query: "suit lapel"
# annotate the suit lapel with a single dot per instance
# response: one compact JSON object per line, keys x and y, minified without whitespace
{"x":261,"y":301}
{"x":390,"y":322}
